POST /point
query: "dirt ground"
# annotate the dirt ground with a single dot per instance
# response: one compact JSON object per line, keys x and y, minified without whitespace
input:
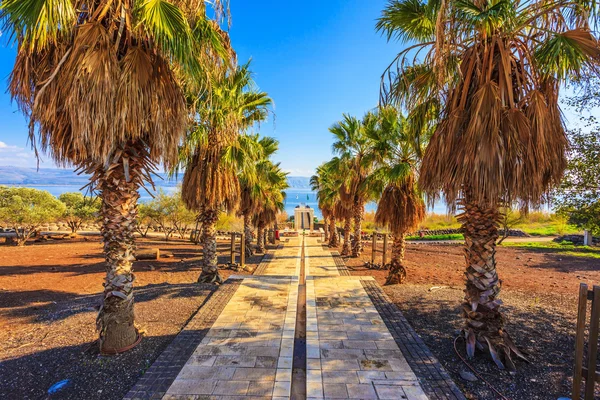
{"x":539,"y":290}
{"x":49,"y":296}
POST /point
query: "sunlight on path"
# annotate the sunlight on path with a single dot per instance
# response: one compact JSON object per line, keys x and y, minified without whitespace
{"x":248,"y":352}
{"x":350,"y":352}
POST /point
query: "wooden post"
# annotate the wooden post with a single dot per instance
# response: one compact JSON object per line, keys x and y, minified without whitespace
{"x":385,"y":246}
{"x":590,"y":380}
{"x":243,"y":250}
{"x":373,"y":247}
{"x":232,"y":247}
{"x":579,"y":341}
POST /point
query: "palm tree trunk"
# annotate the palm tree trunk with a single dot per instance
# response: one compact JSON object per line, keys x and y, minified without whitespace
{"x":397,"y":271}
{"x":358,"y":212}
{"x":481,"y":307}
{"x":118,"y":186}
{"x":347,"y":227}
{"x":248,"y":235}
{"x":260,"y":239}
{"x":333,"y":235}
{"x":210,"y":265}
{"x":326,"y":229}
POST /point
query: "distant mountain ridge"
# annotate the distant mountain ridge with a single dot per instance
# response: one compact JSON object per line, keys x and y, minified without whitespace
{"x":65,"y":177}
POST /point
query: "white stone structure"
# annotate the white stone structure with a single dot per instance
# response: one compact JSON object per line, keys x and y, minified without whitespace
{"x":304,"y":218}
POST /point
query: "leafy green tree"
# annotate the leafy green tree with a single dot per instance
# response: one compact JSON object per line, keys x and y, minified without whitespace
{"x":144,"y":220}
{"x":79,"y":209}
{"x":25,"y":209}
{"x":578,"y":197}
{"x":169,"y":212}
{"x":100,"y":82}
{"x":495,"y":69}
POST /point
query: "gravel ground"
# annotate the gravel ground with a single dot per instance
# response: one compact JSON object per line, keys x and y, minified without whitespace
{"x":48,"y":302}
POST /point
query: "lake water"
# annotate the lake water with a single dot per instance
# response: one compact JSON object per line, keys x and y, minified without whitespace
{"x":295,"y":197}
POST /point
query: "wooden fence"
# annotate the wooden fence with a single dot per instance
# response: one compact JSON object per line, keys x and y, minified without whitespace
{"x":375,"y":250}
{"x":587,"y":373}
{"x":242,"y":251}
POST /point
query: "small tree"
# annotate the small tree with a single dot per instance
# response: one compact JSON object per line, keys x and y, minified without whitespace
{"x":79,"y":209}
{"x":169,"y":212}
{"x":25,"y":209}
{"x":578,"y":197}
{"x":160,"y":211}
{"x":183,"y":218}
{"x":508,"y":220}
{"x":143,"y":220}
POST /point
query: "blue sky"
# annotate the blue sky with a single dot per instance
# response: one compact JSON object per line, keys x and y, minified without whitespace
{"x":317,"y":60}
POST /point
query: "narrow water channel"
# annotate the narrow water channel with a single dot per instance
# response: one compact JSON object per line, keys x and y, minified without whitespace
{"x":298,"y":391}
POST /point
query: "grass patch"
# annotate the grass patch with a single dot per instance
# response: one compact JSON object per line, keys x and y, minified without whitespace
{"x":563,"y":248}
{"x":452,"y":236}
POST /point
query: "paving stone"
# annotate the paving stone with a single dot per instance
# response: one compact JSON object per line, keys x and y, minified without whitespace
{"x":361,"y":391}
{"x":335,"y":391}
{"x":261,"y":388}
{"x":192,"y":386}
{"x":231,"y":388}
{"x":254,"y":374}
{"x":339,"y":377}
{"x":390,"y":392}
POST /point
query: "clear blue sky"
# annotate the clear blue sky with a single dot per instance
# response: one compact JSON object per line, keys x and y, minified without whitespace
{"x":317,"y":60}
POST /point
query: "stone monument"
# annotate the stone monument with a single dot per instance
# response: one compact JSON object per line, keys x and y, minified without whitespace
{"x":304,"y":218}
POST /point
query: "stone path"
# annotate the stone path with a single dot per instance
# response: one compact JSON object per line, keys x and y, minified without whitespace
{"x":350,"y":352}
{"x":358,"y":345}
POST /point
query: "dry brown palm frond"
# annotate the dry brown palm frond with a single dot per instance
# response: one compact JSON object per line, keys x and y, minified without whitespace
{"x":341,"y":211}
{"x":502,"y":135}
{"x":401,"y":207}
{"x":94,"y":100}
{"x":210,"y":183}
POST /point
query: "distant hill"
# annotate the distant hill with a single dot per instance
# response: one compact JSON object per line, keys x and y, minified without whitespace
{"x":67,"y":177}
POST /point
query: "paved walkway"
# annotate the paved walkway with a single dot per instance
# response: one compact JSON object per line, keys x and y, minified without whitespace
{"x":350,"y":352}
{"x":352,"y":339}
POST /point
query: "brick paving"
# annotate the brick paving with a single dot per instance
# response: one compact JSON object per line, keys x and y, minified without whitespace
{"x":434,"y":379}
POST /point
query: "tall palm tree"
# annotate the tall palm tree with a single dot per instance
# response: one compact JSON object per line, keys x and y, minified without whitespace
{"x":99,"y":82}
{"x":257,"y":152}
{"x":318,"y":185}
{"x":269,"y":198}
{"x":354,"y":147}
{"x":210,"y":182}
{"x":326,"y":182}
{"x":401,"y":207}
{"x":496,"y":68}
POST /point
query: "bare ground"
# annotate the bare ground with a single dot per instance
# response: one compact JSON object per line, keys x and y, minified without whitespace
{"x":49,"y":295}
{"x":540,"y":299}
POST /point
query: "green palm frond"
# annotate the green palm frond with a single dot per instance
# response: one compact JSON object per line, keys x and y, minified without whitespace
{"x":37,"y":23}
{"x":408,"y":20}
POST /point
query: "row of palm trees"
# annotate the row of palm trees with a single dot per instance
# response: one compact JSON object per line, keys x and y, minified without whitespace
{"x":118,"y":87}
{"x":478,"y":81}
{"x":378,"y":159}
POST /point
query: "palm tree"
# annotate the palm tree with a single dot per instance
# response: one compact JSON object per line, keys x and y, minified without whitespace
{"x":334,"y":198}
{"x":496,"y":67}
{"x":354,"y":149}
{"x":100,"y":84}
{"x":269,"y":198}
{"x":401,"y":207}
{"x":256,"y":152}
{"x":210,"y":182}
